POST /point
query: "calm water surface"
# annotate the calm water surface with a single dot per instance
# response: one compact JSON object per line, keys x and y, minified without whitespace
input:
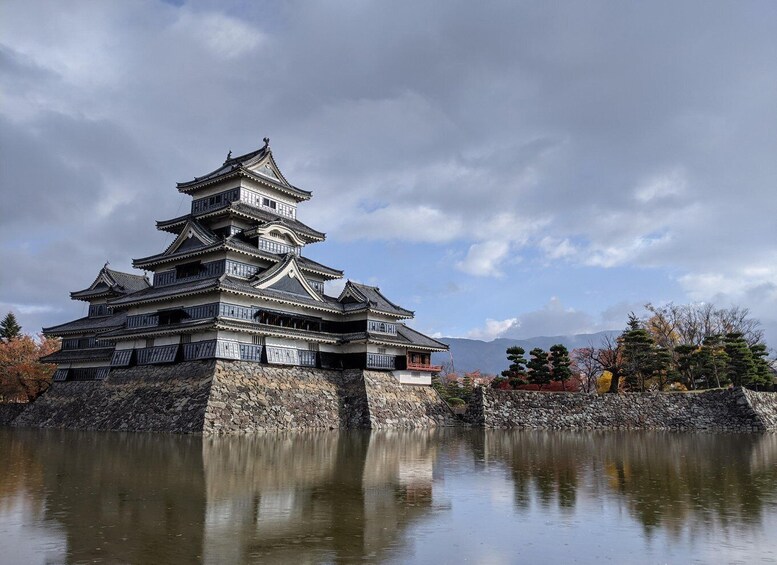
{"x":390,"y":497}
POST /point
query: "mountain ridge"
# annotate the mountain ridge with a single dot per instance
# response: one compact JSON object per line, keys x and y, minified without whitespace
{"x":489,"y":357}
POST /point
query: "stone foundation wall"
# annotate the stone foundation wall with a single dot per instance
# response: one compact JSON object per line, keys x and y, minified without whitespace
{"x":721,"y":410}
{"x":248,"y":397}
{"x":234,"y":397}
{"x":8,"y":412}
{"x":145,"y":398}
{"x":393,"y":405}
{"x":764,"y":404}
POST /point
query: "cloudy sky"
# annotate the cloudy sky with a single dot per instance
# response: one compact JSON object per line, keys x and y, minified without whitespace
{"x":505,"y":168}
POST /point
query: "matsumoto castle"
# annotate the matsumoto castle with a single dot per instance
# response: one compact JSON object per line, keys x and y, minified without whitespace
{"x":234,"y":284}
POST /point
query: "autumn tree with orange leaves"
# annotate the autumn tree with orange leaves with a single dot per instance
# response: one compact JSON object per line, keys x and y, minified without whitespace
{"x":22,"y":376}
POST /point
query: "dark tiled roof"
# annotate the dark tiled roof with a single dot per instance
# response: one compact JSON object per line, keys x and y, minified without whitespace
{"x":308,"y":264}
{"x":242,"y":286}
{"x":241,"y":246}
{"x":78,"y":355}
{"x":405,"y":336}
{"x":151,"y":259}
{"x":414,"y":337}
{"x":88,"y":325}
{"x":267,"y":216}
{"x":182,"y":327}
{"x":247,"y":210}
{"x":128,"y":281}
{"x":370,"y":297}
{"x":239,"y":165}
{"x":110,"y":282}
{"x":161,"y":292}
{"x":277,"y":330}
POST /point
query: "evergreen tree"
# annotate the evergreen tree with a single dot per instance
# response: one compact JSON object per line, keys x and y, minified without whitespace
{"x":539,"y":370}
{"x":740,"y":368}
{"x":559,"y":364}
{"x":713,"y":361}
{"x":452,"y":388}
{"x":466,"y":387}
{"x":688,"y":361}
{"x":439,"y":386}
{"x":10,"y":328}
{"x":762,"y":375}
{"x":643,"y":360}
{"x":516,"y":372}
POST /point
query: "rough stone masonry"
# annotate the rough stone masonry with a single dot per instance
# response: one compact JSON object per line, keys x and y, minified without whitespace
{"x":242,"y":397}
{"x":234,"y":397}
{"x":737,"y":410}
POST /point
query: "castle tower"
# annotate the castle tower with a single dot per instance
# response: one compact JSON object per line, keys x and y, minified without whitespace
{"x":234,"y":283}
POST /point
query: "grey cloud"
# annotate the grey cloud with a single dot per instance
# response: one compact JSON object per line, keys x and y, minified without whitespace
{"x":557,"y":112}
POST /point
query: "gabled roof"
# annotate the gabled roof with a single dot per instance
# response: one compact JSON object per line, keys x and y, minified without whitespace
{"x":246,"y":211}
{"x":191,"y":236}
{"x":249,"y":165}
{"x":233,"y":243}
{"x":276,"y":226}
{"x":111,"y":283}
{"x":286,"y":277}
{"x":357,"y":296}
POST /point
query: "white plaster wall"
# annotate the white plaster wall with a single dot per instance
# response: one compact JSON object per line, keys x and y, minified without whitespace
{"x":268,"y":191}
{"x":413,"y":377}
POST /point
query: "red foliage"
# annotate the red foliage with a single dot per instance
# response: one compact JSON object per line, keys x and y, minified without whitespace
{"x":22,"y":376}
{"x":572,"y":385}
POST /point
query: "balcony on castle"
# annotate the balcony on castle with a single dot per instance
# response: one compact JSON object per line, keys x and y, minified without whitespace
{"x":421,"y":362}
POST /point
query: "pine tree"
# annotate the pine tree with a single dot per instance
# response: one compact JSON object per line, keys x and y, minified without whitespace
{"x":539,"y":370}
{"x":740,"y":368}
{"x":643,"y":359}
{"x":516,"y":373}
{"x":713,"y":361}
{"x":559,"y":364}
{"x":762,"y":375}
{"x":10,"y":328}
{"x":689,"y":365}
{"x":466,"y":387}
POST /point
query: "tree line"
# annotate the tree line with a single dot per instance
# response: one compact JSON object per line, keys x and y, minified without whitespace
{"x":674,"y":347}
{"x":680,"y":347}
{"x":541,"y":369}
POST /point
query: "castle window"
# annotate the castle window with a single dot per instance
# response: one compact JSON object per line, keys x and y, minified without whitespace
{"x":188,"y":270}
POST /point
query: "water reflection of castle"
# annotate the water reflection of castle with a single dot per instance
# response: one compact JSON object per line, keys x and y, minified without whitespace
{"x":314,"y":497}
{"x":271,"y":499}
{"x":355,"y":496}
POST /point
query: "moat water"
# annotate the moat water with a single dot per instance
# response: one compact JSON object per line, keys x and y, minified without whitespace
{"x":456,"y":496}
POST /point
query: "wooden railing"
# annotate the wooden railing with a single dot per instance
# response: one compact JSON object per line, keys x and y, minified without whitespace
{"x":423,"y":367}
{"x":380,"y":361}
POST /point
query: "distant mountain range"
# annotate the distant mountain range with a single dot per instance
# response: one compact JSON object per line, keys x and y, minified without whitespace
{"x":489,"y":356}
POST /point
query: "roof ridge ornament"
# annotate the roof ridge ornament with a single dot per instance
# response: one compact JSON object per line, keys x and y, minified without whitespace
{"x":229,"y":156}
{"x":266,"y":143}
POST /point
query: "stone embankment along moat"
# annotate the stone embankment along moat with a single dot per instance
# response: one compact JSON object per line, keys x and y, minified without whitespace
{"x":235,"y":396}
{"x":715,"y":410}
